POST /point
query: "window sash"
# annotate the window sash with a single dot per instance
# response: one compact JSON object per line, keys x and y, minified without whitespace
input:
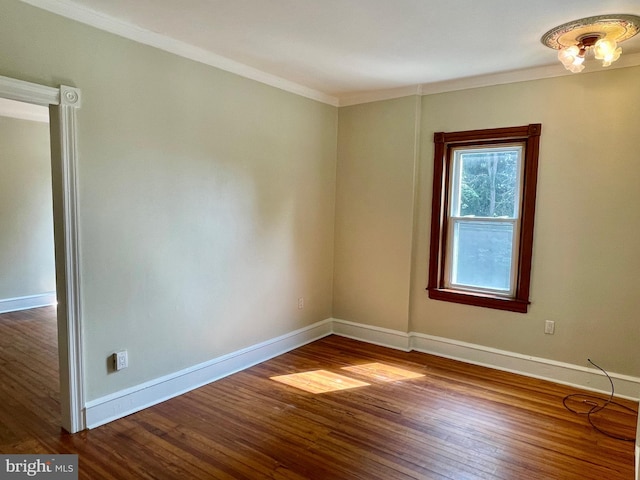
{"x":455,"y":190}
{"x":454,"y":219}
{"x":452,"y":256}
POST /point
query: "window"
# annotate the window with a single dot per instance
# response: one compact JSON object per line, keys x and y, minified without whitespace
{"x":484,"y":191}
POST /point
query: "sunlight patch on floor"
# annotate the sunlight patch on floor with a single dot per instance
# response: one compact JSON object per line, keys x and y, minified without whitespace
{"x":382,"y":372}
{"x":319,"y":381}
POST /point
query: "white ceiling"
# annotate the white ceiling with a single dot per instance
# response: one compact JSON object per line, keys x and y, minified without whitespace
{"x":334,"y":50}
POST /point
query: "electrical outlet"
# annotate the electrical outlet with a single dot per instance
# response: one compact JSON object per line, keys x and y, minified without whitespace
{"x":120,"y":360}
{"x":549,"y":327}
{"x":300,"y":303}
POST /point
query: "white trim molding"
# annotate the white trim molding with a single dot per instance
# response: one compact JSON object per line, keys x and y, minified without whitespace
{"x":489,"y":80}
{"x":139,"y":397}
{"x":384,"y":337}
{"x":63,"y":103}
{"x":30,"y":301}
{"x":153,"y":39}
{"x":70,"y":102}
{"x":577,"y":376}
{"x":564,"y":373}
{"x":28,"y":92}
{"x":523,"y":75}
{"x":125,"y":402}
{"x":379,"y":95}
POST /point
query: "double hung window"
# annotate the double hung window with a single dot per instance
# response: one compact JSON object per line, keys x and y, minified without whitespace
{"x":482,"y":216}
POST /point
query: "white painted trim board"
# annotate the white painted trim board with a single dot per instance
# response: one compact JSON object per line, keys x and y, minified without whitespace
{"x":133,"y":32}
{"x":592,"y":379}
{"x":30,"y":301}
{"x":139,"y":397}
{"x":125,"y":402}
{"x":64,"y":103}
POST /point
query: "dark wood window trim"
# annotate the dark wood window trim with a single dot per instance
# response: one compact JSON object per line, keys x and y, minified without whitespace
{"x":444,"y":142}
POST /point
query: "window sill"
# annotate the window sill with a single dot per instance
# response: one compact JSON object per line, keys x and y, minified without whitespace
{"x":479,"y":300}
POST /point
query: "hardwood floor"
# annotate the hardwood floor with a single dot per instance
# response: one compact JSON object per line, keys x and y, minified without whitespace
{"x":457,"y":421}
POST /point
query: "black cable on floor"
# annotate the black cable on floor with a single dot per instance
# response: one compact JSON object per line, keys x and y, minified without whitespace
{"x":598,"y":404}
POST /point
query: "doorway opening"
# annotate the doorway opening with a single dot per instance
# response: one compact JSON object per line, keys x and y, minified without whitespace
{"x":28,"y":323}
{"x":62,"y":104}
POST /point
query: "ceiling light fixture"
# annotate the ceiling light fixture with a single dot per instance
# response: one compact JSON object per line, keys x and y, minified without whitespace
{"x":600,"y":35}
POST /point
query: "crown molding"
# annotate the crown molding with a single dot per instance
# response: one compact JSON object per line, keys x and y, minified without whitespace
{"x":132,"y":32}
{"x":110,"y":24}
{"x":378,"y":95}
{"x":524,"y":75}
{"x":515,"y":76}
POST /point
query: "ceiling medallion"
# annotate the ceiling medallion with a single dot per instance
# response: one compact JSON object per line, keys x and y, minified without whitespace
{"x":600,"y":35}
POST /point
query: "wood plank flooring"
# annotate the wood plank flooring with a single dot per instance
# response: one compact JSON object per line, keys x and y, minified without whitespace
{"x":456,"y":422}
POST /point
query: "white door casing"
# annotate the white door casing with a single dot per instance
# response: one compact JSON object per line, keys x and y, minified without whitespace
{"x":63,"y":103}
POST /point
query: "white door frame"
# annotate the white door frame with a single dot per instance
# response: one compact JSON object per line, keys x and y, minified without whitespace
{"x":63,"y":104}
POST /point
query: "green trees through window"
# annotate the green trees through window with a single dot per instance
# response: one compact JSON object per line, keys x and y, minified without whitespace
{"x":489,"y":183}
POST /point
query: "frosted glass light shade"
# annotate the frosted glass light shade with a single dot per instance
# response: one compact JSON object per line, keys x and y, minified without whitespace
{"x":568,"y":55}
{"x":607,"y":51}
{"x":571,"y":58}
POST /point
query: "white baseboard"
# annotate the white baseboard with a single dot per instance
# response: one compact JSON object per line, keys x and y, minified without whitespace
{"x":128,"y":401}
{"x":131,"y":400}
{"x":568,"y":374}
{"x":384,"y":337}
{"x":559,"y":372}
{"x":25,"y":303}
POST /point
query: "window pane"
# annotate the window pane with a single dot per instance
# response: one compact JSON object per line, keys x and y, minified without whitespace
{"x":488,"y":182}
{"x":482,"y":254}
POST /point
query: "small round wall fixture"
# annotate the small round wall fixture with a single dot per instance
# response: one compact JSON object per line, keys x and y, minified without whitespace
{"x":600,"y":35}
